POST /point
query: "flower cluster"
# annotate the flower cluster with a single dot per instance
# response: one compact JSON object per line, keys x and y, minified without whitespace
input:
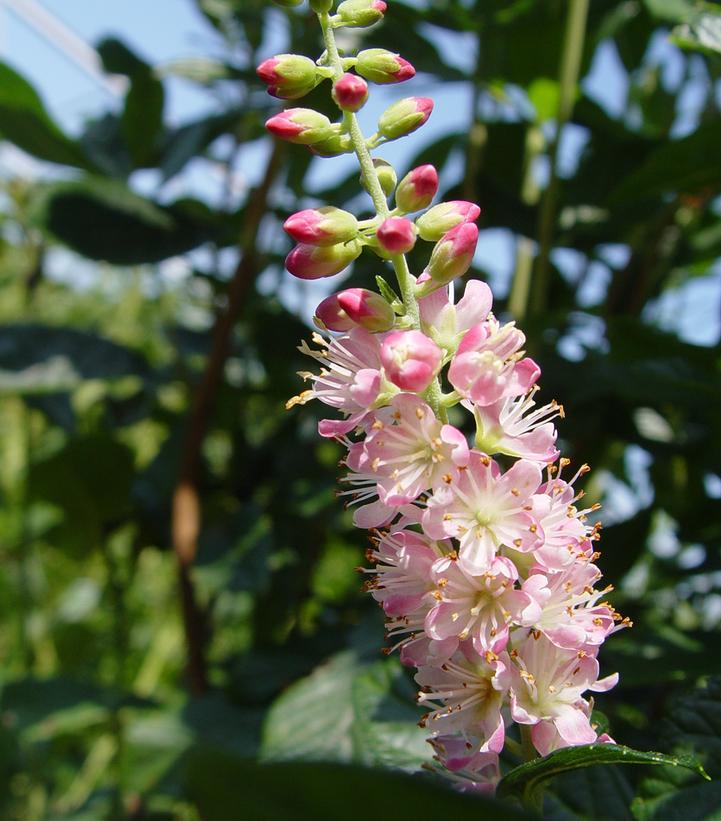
{"x":484,"y":561}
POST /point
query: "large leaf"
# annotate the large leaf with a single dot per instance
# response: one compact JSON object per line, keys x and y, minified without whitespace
{"x":684,"y":166}
{"x":345,"y":711}
{"x":25,"y":122}
{"x":528,"y":780}
{"x":89,"y":481}
{"x":38,"y":359}
{"x":103,"y":219}
{"x":225,"y":787}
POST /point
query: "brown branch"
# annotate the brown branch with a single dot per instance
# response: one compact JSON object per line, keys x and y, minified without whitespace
{"x":186,"y":505}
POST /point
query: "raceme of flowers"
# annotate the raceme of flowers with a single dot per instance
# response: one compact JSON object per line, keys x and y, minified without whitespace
{"x":483,"y":556}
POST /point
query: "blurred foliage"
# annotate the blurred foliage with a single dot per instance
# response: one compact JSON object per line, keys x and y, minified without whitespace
{"x":102,"y":354}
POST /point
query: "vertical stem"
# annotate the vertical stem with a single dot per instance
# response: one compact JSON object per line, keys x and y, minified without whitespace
{"x":568,"y":80}
{"x":406,"y":280}
{"x":521,"y":284}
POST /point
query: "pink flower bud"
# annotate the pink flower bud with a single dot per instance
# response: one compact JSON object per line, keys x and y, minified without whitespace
{"x":405,"y":116}
{"x":410,"y":359}
{"x":396,"y":235}
{"x":330,"y":316}
{"x":300,"y":125}
{"x":350,"y":92}
{"x":359,"y":13}
{"x":316,"y":261}
{"x":451,"y":257}
{"x":381,"y":66}
{"x":367,"y":309}
{"x":444,"y":216}
{"x":288,"y":76}
{"x":417,"y":189}
{"x":321,"y":226}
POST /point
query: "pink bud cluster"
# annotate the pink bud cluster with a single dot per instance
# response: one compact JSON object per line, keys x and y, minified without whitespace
{"x":483,"y":560}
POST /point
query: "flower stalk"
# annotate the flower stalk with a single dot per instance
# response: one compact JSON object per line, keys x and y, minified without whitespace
{"x":483,"y":557}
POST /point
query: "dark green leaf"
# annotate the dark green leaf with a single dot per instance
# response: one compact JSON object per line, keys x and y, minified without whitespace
{"x":142,"y":119}
{"x":223,"y":787}
{"x":37,"y":359}
{"x":103,"y":219}
{"x":25,"y":122}
{"x":527,"y":780}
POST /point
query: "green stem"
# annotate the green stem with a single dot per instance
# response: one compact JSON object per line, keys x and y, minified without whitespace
{"x":533,"y":800}
{"x":573,"y":42}
{"x":530,"y":192}
{"x":406,"y":280}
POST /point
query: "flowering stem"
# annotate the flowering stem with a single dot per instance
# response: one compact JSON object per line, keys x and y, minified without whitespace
{"x":406,"y":280}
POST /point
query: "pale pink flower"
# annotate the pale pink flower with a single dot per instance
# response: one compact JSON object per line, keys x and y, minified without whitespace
{"x":410,"y":451}
{"x":350,"y":378}
{"x":546,"y":689}
{"x":402,"y":579}
{"x":466,"y":694}
{"x":488,"y":364}
{"x":469,"y":770}
{"x":512,"y":427}
{"x":410,"y":359}
{"x":478,"y":607}
{"x":567,"y":536}
{"x":444,"y":322}
{"x":485,"y":509}
{"x":570,"y":615}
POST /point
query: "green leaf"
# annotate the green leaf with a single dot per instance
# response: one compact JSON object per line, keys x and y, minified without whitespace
{"x":89,"y":480}
{"x":226,"y":787}
{"x":698,"y":803}
{"x":142,"y":120}
{"x":675,"y":11}
{"x":528,"y":780}
{"x":37,"y":359}
{"x":544,"y":95}
{"x":127,"y":229}
{"x":346,"y":711}
{"x":117,"y":58}
{"x":25,"y":122}
{"x":180,"y":145}
{"x":314,"y":716}
{"x":682,"y":166}
{"x":693,"y":724}
{"x":702,"y":33}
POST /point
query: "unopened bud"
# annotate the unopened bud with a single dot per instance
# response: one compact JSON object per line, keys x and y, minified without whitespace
{"x":360,"y":13}
{"x":356,"y":306}
{"x":444,"y":216}
{"x":386,"y":176}
{"x":287,"y":4}
{"x":321,"y":6}
{"x":381,"y":66}
{"x":396,"y":235}
{"x":417,"y":189}
{"x":405,"y":116}
{"x":329,"y":316}
{"x":316,"y":262}
{"x":288,"y":76}
{"x":350,"y":92}
{"x":451,"y":257}
{"x":410,"y":360}
{"x":321,"y":226}
{"x":300,"y":125}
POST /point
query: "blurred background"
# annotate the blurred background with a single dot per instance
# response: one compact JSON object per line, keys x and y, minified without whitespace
{"x":178,"y":586}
